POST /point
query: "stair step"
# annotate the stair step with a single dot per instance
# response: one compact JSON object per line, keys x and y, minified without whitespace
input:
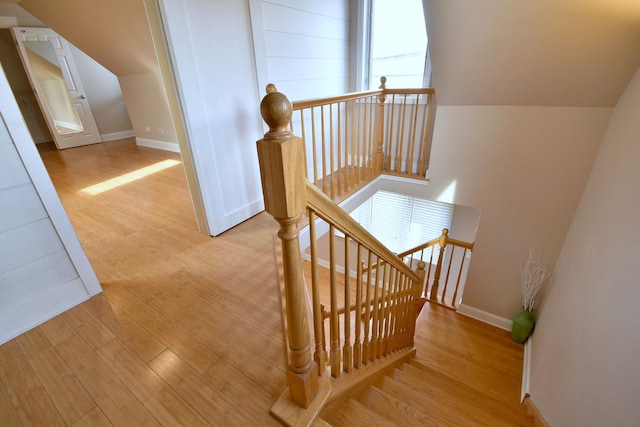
{"x":511,"y":412}
{"x":394,"y":409}
{"x":319,"y":422}
{"x":355,"y":414}
{"x":426,"y":403}
{"x":472,"y":409}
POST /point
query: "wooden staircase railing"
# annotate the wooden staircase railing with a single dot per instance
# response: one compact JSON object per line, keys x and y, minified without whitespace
{"x":441,"y":253}
{"x":351,"y":139}
{"x":383,"y":321}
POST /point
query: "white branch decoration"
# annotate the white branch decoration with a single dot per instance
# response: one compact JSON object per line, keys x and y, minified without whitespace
{"x":532,"y":273}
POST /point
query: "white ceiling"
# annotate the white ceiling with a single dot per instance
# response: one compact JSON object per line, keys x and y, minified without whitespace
{"x":525,"y":52}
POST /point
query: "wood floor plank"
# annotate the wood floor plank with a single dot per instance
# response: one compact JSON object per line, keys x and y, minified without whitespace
{"x":199,"y":392}
{"x":57,"y":330}
{"x":135,"y":336}
{"x":233,"y":383}
{"x":65,"y":390}
{"x":156,"y":395}
{"x":180,"y":342}
{"x":94,"y":332}
{"x":29,"y":398}
{"x":8,"y":413}
{"x":94,"y":418}
{"x":113,"y":397}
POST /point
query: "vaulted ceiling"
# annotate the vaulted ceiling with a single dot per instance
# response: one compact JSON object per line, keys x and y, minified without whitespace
{"x":115,"y":33}
{"x":543,"y":52}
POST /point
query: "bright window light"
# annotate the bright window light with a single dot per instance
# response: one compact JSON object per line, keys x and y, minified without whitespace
{"x":398,"y":43}
{"x":112,"y":183}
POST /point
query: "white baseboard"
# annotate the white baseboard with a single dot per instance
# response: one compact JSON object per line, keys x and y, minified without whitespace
{"x":160,"y":145}
{"x":483,"y":316}
{"x":526,"y":369}
{"x":117,"y":135}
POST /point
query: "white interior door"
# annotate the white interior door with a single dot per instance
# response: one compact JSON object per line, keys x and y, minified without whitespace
{"x":56,"y":82}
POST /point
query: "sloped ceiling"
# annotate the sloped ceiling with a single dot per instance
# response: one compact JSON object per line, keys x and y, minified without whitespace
{"x":543,"y":52}
{"x":115,"y":33}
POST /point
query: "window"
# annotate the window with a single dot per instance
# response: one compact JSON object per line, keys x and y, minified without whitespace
{"x":403,"y":222}
{"x":397,"y":44}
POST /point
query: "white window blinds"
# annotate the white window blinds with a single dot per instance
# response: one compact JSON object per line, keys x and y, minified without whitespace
{"x":402,"y":222}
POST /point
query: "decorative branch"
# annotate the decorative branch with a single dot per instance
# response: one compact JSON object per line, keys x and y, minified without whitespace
{"x":532,"y":273}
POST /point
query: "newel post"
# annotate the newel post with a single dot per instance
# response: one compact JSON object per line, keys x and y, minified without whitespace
{"x":281,"y":157}
{"x":444,"y":240}
{"x":378,"y":158}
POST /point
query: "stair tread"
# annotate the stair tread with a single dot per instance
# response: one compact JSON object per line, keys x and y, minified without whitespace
{"x":319,"y":422}
{"x":394,"y":409}
{"x":511,"y":411}
{"x":355,"y":414}
{"x":430,"y":405}
{"x":461,"y":399}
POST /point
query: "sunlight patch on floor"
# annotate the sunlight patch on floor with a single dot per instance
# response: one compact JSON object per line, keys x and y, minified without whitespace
{"x":126,"y":178}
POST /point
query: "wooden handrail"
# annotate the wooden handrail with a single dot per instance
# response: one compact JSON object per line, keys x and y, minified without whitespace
{"x":353,"y":138}
{"x":316,"y":102}
{"x":425,"y":245}
{"x":326,"y":209}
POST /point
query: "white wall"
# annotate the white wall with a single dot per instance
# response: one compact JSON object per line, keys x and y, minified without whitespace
{"x":43,"y":269}
{"x":524,"y":168}
{"x":104,"y":94}
{"x":302,"y":46}
{"x":585,"y":348}
{"x":149,"y":109}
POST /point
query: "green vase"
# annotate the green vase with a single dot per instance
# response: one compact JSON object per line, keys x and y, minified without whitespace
{"x":522,"y":326}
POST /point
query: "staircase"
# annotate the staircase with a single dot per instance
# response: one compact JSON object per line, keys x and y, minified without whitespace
{"x":420,"y":395}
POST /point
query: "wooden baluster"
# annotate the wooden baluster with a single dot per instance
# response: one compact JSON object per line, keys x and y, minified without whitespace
{"x":371,"y":142}
{"x":414,"y":130}
{"x":318,"y":321}
{"x":323,"y":151}
{"x":375,"y":338}
{"x":427,"y":139}
{"x":401,"y":138}
{"x":395,"y":313}
{"x":436,"y":277}
{"x":367,"y":313}
{"x":347,"y":351}
{"x":304,"y":143}
{"x":331,"y":154}
{"x":358,"y":146}
{"x":325,"y":315}
{"x":401,"y":312}
{"x":334,"y":325}
{"x":446,"y":280}
{"x":378,"y":160}
{"x":387,"y":311}
{"x":357,"y":346}
{"x":352,"y":162}
{"x":417,"y":302}
{"x":281,"y":157}
{"x":454,"y":301}
{"x":427,"y":291}
{"x":340,"y":171}
{"x":386,"y":276}
{"x":313,"y":147}
{"x":391,"y":128}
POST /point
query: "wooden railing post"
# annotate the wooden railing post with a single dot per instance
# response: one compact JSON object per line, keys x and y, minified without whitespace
{"x":418,"y":301}
{"x":281,"y":157}
{"x":436,"y":277}
{"x":378,"y":157}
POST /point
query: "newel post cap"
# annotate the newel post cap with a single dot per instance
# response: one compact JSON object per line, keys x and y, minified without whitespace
{"x":276,"y":111}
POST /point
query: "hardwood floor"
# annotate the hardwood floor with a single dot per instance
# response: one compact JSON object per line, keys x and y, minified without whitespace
{"x":188,"y":328}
